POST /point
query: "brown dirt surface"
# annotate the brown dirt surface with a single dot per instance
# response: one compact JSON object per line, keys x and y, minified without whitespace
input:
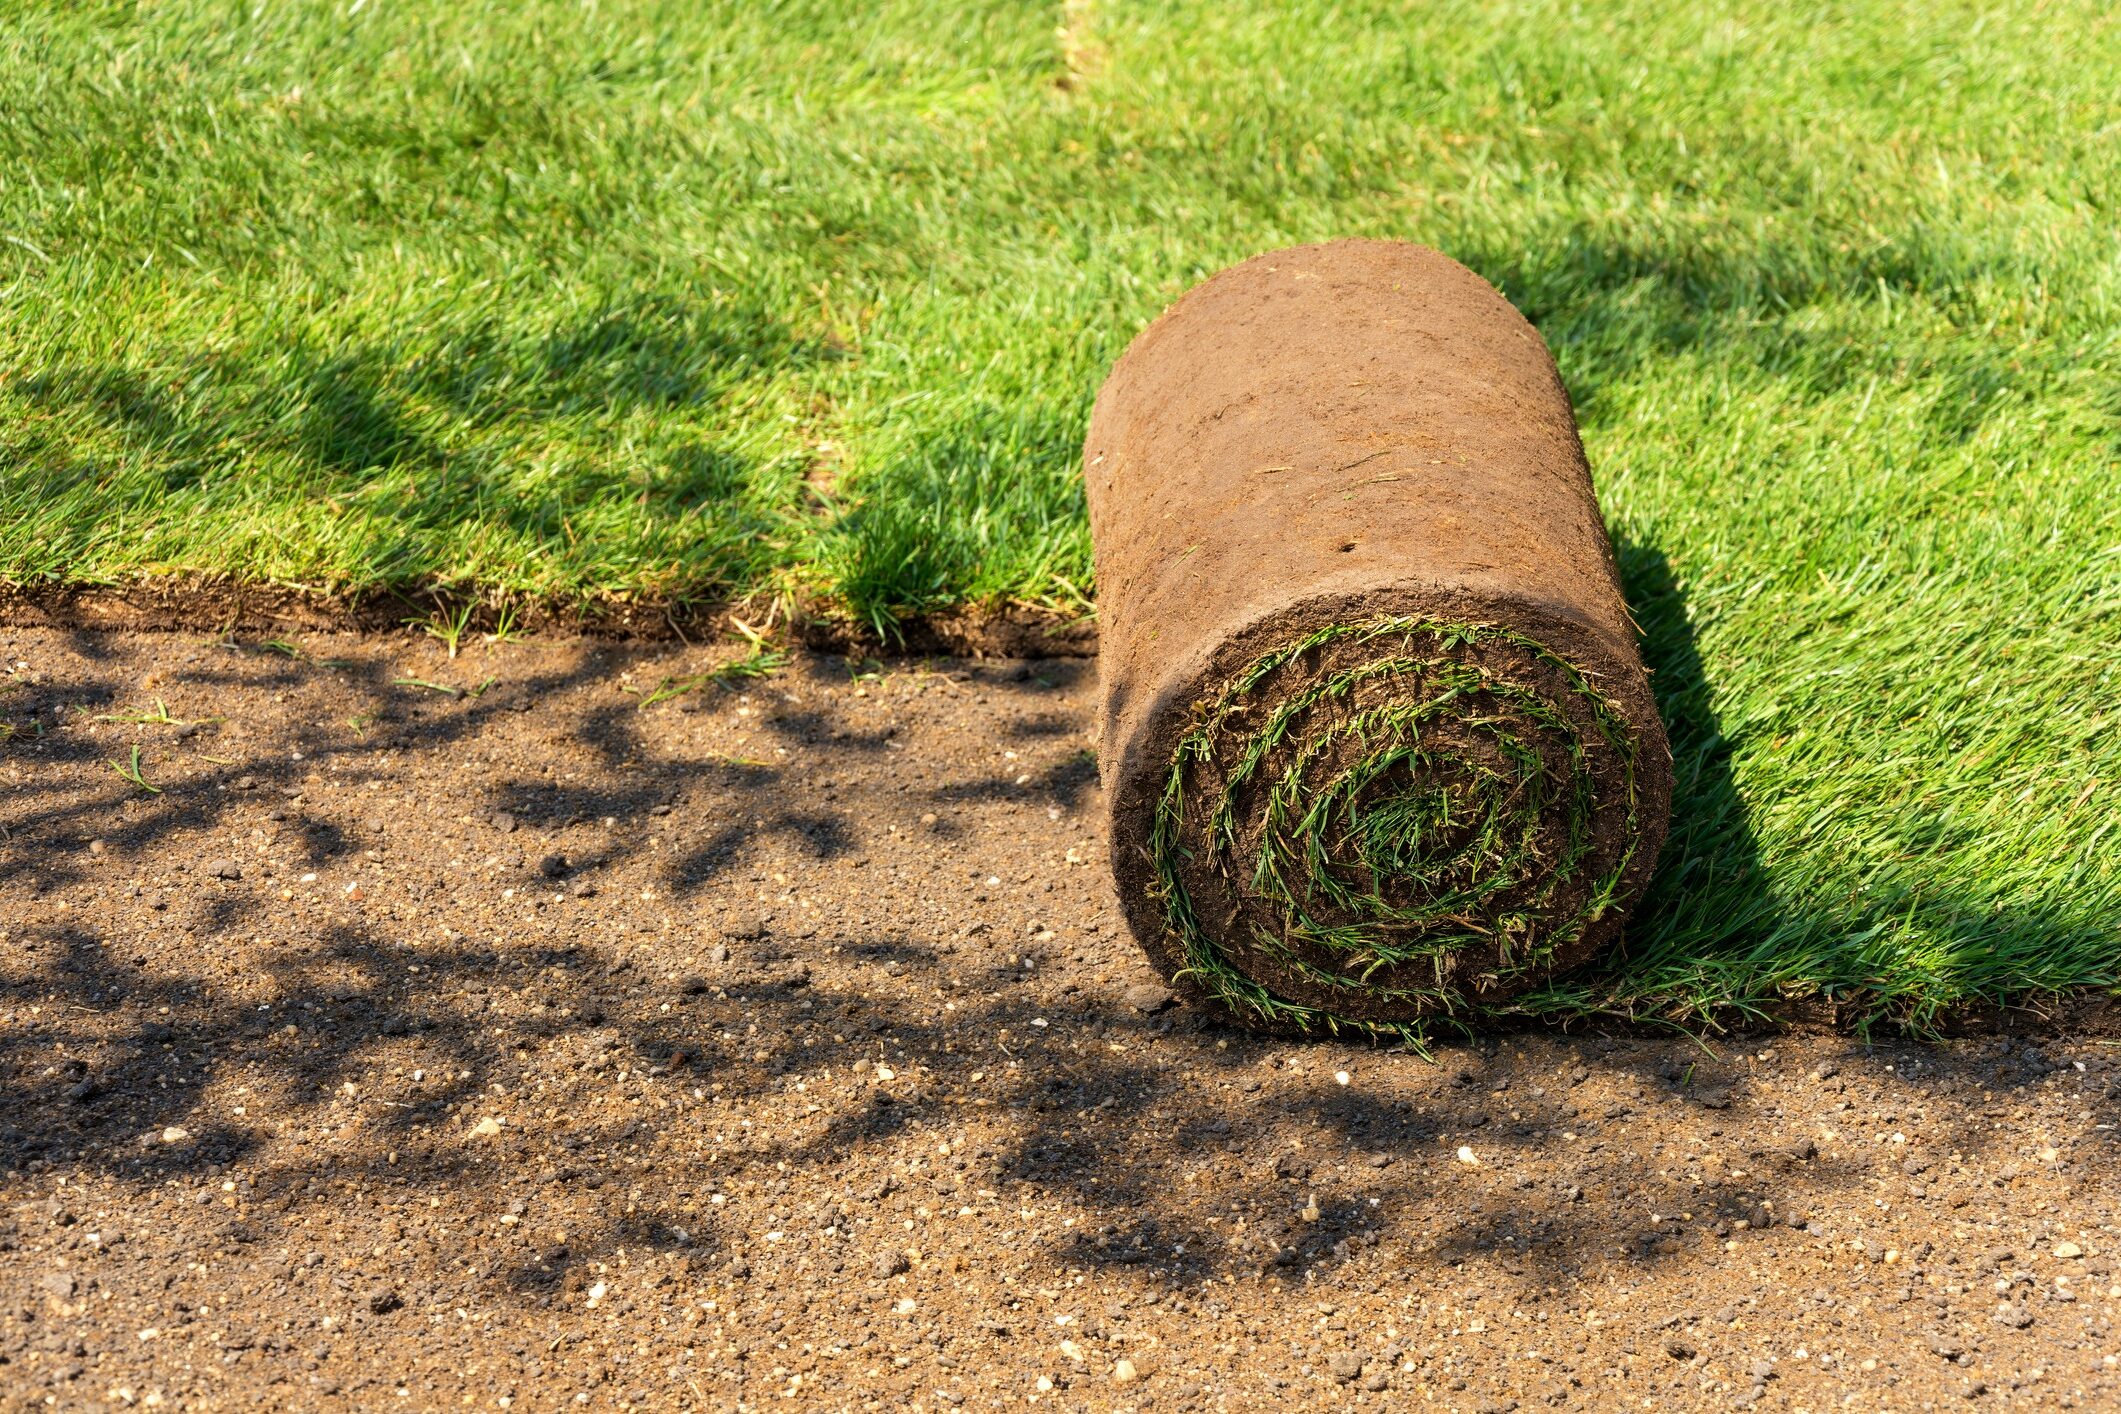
{"x":1327,"y":435}
{"x":780,"y":1047}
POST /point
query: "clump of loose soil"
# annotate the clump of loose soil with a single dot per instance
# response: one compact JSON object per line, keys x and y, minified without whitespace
{"x":529,"y":1048}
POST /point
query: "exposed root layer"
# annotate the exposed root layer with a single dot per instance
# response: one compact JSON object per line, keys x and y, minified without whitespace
{"x":214,"y":604}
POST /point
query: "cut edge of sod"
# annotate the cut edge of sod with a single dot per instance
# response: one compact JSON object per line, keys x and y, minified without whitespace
{"x":225,"y":604}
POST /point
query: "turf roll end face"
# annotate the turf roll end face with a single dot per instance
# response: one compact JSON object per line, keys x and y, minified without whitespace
{"x":1378,"y":748}
{"x":1392,"y":818}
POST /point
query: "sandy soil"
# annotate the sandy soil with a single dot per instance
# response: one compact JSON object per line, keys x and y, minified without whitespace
{"x":535,"y":1049}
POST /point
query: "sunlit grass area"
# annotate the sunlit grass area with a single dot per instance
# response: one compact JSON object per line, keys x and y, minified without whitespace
{"x":694,"y":301}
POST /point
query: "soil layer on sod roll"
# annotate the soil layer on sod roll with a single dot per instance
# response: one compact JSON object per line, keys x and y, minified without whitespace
{"x":1377,"y":741}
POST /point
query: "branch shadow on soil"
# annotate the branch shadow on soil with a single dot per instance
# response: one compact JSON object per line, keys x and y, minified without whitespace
{"x":636,"y":1096}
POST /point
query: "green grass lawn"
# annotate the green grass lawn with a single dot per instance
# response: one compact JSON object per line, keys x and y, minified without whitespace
{"x":662,"y":299}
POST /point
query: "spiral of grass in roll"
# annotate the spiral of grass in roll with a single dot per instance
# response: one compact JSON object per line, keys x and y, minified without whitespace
{"x":1392,"y":819}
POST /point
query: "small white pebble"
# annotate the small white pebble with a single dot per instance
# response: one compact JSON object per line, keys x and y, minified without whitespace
{"x":1466,"y":1155}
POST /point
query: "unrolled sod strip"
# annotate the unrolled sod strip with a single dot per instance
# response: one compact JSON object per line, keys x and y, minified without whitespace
{"x":1377,"y":742}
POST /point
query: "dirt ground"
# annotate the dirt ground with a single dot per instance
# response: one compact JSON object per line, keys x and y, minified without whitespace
{"x":778,"y":1048}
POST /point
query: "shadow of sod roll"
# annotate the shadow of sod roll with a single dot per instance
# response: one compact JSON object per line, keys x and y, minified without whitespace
{"x":1377,"y":742}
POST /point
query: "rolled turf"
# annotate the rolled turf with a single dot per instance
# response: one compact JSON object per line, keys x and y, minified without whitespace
{"x":1378,"y":745}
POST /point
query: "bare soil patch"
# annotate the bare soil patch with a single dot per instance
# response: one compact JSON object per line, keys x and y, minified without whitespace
{"x":529,"y":1048}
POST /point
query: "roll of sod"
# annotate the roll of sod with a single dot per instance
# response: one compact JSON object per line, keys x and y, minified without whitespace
{"x":1377,"y":742}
